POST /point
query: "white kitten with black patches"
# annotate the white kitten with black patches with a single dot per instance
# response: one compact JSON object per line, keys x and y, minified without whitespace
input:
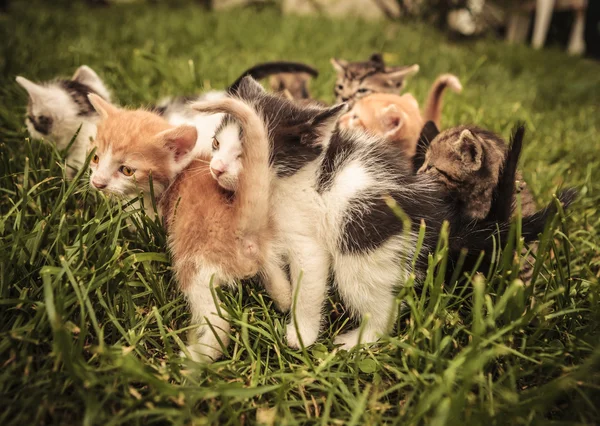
{"x":329,"y":204}
{"x":57,"y":109}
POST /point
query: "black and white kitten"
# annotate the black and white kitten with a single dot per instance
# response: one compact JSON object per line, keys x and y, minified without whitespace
{"x":58,"y":108}
{"x":330,"y":203}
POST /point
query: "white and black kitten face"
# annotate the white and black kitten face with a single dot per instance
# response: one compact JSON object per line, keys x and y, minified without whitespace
{"x":226,"y":161}
{"x":58,"y":108}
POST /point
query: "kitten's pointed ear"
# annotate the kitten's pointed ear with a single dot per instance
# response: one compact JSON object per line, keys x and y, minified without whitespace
{"x":470,"y":150}
{"x":393,"y":120}
{"x":428,"y":134}
{"x":327,"y":119}
{"x":339,"y":65}
{"x":249,"y":88}
{"x":180,"y":140}
{"x":32,"y":88}
{"x":398,"y":75}
{"x":86,"y":75}
{"x":101,"y":106}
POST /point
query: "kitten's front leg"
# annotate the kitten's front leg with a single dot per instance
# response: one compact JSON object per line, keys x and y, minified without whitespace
{"x":206,"y":343}
{"x":309,"y":267}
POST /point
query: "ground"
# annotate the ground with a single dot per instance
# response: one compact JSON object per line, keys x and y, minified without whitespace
{"x":90,"y":319}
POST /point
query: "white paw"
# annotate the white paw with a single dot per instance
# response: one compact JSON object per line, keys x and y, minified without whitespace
{"x":347,"y":340}
{"x":350,"y":340}
{"x":309,"y":335}
{"x":203,"y":353}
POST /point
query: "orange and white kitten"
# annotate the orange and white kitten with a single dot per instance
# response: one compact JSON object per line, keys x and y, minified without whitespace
{"x":398,"y":118}
{"x":214,"y":238}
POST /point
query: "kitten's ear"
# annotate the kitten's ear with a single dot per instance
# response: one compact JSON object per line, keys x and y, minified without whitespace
{"x":377,"y":57}
{"x":101,"y":106}
{"x":428,"y":134}
{"x":470,"y":150}
{"x":86,"y":75}
{"x":327,"y":119}
{"x":32,"y":88}
{"x":339,"y":65}
{"x":249,"y":89}
{"x":398,"y":75}
{"x":392,"y":119}
{"x":179,"y":140}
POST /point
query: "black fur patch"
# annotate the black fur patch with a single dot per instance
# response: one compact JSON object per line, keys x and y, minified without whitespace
{"x":266,"y":69}
{"x":42,"y":123}
{"x":338,"y":151}
{"x":78,"y":93}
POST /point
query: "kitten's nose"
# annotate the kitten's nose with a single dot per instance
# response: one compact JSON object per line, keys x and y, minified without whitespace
{"x":98,"y":185}
{"x":218,"y":168}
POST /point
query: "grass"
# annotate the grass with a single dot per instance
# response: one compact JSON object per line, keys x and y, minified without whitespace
{"x":90,"y":318}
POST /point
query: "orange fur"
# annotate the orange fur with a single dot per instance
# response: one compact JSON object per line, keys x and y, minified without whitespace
{"x":396,"y":118}
{"x":214,"y":237}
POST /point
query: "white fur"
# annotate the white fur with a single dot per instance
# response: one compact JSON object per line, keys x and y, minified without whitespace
{"x":227,"y":157}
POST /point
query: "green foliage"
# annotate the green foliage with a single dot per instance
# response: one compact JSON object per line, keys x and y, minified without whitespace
{"x":91,"y":322}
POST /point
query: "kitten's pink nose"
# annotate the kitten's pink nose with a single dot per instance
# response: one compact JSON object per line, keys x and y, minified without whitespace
{"x":218,"y":167}
{"x":99,"y":185}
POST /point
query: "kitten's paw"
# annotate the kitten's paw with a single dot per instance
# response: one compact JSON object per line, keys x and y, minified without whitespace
{"x":350,"y":339}
{"x":202,"y":353}
{"x":347,"y":340}
{"x":309,"y":335}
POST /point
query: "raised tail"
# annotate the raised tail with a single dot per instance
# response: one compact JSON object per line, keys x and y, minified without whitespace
{"x":433,"y":106}
{"x":503,"y":198}
{"x":266,"y":69}
{"x":252,"y":194}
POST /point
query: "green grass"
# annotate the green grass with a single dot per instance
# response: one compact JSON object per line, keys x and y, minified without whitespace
{"x":90,"y":318}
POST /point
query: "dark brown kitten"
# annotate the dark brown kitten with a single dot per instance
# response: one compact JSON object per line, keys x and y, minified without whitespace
{"x":292,"y":85}
{"x":469,"y":161}
{"x":358,"y":79}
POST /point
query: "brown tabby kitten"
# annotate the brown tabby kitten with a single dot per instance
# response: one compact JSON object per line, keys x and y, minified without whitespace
{"x":292,"y":85}
{"x":469,"y":161}
{"x":358,"y":79}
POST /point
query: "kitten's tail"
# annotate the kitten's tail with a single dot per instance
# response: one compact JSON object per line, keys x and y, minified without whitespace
{"x":433,"y":105}
{"x":252,"y":194}
{"x":480,"y":236}
{"x":266,"y":69}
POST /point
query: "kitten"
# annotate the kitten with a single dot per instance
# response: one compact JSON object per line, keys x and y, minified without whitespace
{"x":214,"y":240}
{"x":397,"y":118}
{"x":332,"y":215}
{"x":358,"y":79}
{"x":468,"y":161}
{"x":58,"y":108}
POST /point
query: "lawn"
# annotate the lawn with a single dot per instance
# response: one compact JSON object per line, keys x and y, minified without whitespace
{"x":91,"y":322}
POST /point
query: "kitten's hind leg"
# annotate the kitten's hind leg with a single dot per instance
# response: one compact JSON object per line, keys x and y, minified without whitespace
{"x":277,"y":285}
{"x":309,"y":269}
{"x":366,"y":283}
{"x":206,"y":342}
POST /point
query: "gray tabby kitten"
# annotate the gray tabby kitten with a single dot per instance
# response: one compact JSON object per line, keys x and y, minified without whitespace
{"x":468,"y":160}
{"x":358,"y":79}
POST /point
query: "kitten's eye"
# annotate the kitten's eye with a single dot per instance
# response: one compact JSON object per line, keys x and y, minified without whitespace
{"x":95,"y":159}
{"x":363,"y":90}
{"x":42,"y":119}
{"x":215,"y":144}
{"x":355,"y":117}
{"x":127,"y":171}
{"x":339,"y":87}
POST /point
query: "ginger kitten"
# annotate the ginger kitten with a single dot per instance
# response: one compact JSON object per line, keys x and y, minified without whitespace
{"x":398,"y":118}
{"x":214,"y":239}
